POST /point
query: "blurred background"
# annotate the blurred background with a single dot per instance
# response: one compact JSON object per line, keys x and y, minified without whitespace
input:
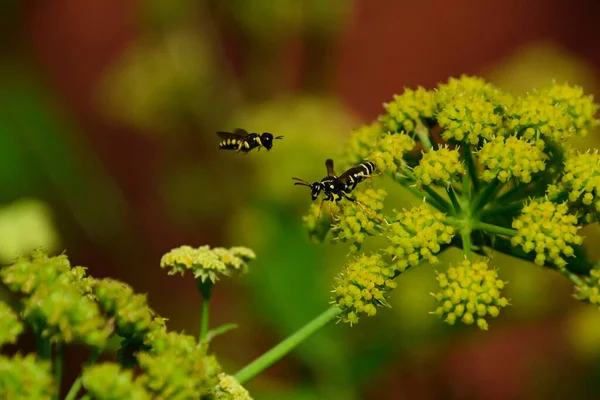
{"x":108,"y":113}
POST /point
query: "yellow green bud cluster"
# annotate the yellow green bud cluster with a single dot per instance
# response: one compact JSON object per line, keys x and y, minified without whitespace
{"x":469,"y":292}
{"x":26,"y":378}
{"x":579,"y":107}
{"x":548,"y":230}
{"x":108,"y":381}
{"x":174,"y":366}
{"x":389,"y":151}
{"x":317,"y":221}
{"x":471,"y":87}
{"x":132,"y":316}
{"x":581,"y":179}
{"x":206,"y":263}
{"x":407,"y":110}
{"x":439,"y":166}
{"x":58,"y":304}
{"x":362,"y":287}
{"x":533,"y":116}
{"x":469,"y":118}
{"x":590,"y":290}
{"x":416,"y":235}
{"x":505,"y":158}
{"x":354,"y":223}
{"x":11,"y":325}
{"x":229,"y":388}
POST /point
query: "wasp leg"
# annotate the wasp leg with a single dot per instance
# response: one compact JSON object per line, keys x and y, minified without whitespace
{"x":365,"y":210}
{"x":333,"y":219}
{"x":321,"y":208}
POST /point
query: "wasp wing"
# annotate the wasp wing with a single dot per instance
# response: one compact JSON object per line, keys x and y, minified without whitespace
{"x":237,"y":134}
{"x":329,"y":166}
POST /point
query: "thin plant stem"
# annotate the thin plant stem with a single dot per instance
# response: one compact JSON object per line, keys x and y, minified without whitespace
{"x":280,"y":350}
{"x":466,"y":191}
{"x":446,"y":207}
{"x":471,"y":167}
{"x":423,"y":134}
{"x":58,"y":367}
{"x":465,"y":234}
{"x":509,"y":208}
{"x":408,"y":185}
{"x":76,"y":387}
{"x":486,"y":194}
{"x":494,"y":229}
{"x":44,"y":347}
{"x":453,"y":198}
{"x":204,"y":322}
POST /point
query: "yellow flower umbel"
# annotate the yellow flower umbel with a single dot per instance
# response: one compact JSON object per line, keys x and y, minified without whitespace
{"x":581,"y":180}
{"x":26,"y":378}
{"x":469,"y":118}
{"x":548,"y":230}
{"x":579,"y":107}
{"x":439,"y":166}
{"x":354,"y":223}
{"x":362,"y":142}
{"x":389,"y":151}
{"x":469,"y":292}
{"x":471,"y":86}
{"x":362,"y":287}
{"x":207,"y":264}
{"x":505,"y":158}
{"x":407,"y":110}
{"x":418,"y":234}
{"x":109,"y":381}
{"x":590,"y":290}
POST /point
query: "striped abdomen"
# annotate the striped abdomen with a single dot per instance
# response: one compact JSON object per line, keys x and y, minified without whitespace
{"x":233,"y":144}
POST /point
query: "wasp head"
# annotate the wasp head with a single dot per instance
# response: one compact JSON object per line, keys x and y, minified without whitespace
{"x":267,"y":140}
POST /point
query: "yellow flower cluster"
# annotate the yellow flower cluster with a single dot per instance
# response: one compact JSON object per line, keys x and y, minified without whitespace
{"x":418,"y":234}
{"x":11,"y":326}
{"x":355,"y":223}
{"x":471,"y":86}
{"x":361,"y":143}
{"x":547,"y":229}
{"x":438,"y":166}
{"x":469,"y":292}
{"x":581,"y":108}
{"x":362,"y":286}
{"x":229,"y":388}
{"x":469,"y":118}
{"x":505,"y":158}
{"x":389,"y":151}
{"x":405,"y":111}
{"x":581,"y":179}
{"x":206,"y":263}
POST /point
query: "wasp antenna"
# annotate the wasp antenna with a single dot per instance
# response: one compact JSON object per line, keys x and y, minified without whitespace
{"x":279,"y":137}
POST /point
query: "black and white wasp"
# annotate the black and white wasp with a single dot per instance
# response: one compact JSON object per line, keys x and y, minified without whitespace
{"x":242,"y":141}
{"x":340,"y":186}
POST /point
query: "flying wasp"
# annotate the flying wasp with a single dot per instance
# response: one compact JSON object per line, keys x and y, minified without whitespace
{"x":242,"y":141}
{"x":340,"y":186}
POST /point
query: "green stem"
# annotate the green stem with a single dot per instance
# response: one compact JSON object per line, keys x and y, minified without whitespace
{"x":204,"y":323}
{"x":423,"y":134}
{"x":485,"y":195}
{"x":205,"y":289}
{"x":44,"y":347}
{"x":471,"y":167}
{"x":76,"y":387}
{"x":466,"y":191}
{"x":453,"y":199}
{"x":445,"y":206}
{"x":399,"y":178}
{"x":490,"y":228}
{"x":58,"y":367}
{"x":465,"y":234}
{"x":284,"y":347}
{"x":574,"y":278}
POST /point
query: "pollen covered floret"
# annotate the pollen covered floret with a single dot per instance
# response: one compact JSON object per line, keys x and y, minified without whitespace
{"x":317,"y":222}
{"x":206,"y":263}
{"x":405,"y":111}
{"x":11,"y":326}
{"x":354,"y":223}
{"x":547,"y":229}
{"x":469,"y":292}
{"x":389,"y":151}
{"x":362,"y":143}
{"x":505,"y":158}
{"x":133,"y":317}
{"x":469,"y":118}
{"x":581,"y":108}
{"x":533,"y":116}
{"x":108,"y":381}
{"x":29,"y":273}
{"x":229,"y":388}
{"x":471,"y":86}
{"x":362,"y":287}
{"x":439,"y":166}
{"x":590,"y":291}
{"x":417,"y":235}
{"x":581,"y":179}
